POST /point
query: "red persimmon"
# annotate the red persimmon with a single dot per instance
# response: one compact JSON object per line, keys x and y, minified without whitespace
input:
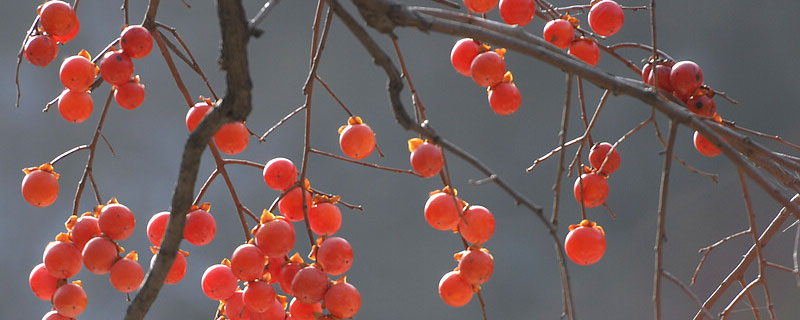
{"x":592,"y":188}
{"x":585,"y":243}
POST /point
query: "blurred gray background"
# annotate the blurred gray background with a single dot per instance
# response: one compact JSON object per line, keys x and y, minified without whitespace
{"x":746,"y":48}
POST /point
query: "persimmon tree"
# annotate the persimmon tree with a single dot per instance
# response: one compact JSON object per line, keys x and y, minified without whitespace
{"x":257,"y":278}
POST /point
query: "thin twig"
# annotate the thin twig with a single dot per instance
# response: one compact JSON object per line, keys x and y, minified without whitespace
{"x":325,"y":85}
{"x":260,"y":16}
{"x":750,"y":301}
{"x":686,"y":290}
{"x":281,"y":122}
{"x":662,"y":214}
{"x":738,"y":298}
{"x":780,"y":140}
{"x":30,"y":32}
{"x":366,"y":164}
{"x":205,"y":186}
{"x":415,"y":100}
{"x":562,"y":137}
{"x":751,"y":218}
{"x":193,"y":64}
{"x":308,"y":90}
{"x":87,"y":170}
{"x":576,"y":140}
{"x":707,"y":250}
{"x":67,"y":153}
{"x":124,"y":9}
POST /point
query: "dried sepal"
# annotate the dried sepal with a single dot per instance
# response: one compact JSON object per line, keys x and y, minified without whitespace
{"x":133,"y":255}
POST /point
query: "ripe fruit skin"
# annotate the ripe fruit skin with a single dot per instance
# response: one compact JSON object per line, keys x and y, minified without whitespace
{"x":488,"y":69}
{"x":279,"y":173}
{"x":275,"y":238}
{"x":156,"y":227}
{"x":343,"y":300}
{"x":75,"y":106}
{"x":595,"y":189}
{"x":77,"y":73}
{"x":586,"y":50}
{"x":585,"y":245}
{"x":519,"y":12}
{"x":41,"y":50}
{"x":504,"y":98}
{"x":62,"y":259}
{"x":218,"y":282}
{"x":247,"y":262}
{"x":130,"y":95}
{"x":85,"y":229}
{"x":200,"y":227}
{"x":441,"y":211}
{"x":335,"y":255}
{"x":606,"y":18}
{"x":40,"y":188}
{"x":479,"y":226}
{"x":258,"y":296}
{"x":598,"y":154}
{"x":357,"y":141}
{"x":286,"y":275}
{"x":71,"y":35}
{"x":559,"y":32}
{"x":196,"y":114}
{"x":427,"y":160}
{"x":304,"y":311}
{"x":42,"y":283}
{"x":454,"y":290}
{"x":464,"y":51}
{"x":324,"y":218}
{"x":480,"y":6}
{"x":136,"y":41}
{"x":662,"y":75}
{"x":704,"y":146}
{"x":291,"y":205}
{"x":686,"y":77}
{"x":476,"y":266}
{"x":57,"y":18}
{"x":309,"y":285}
{"x":69,"y":300}
{"x":702,"y":105}
{"x":116,"y":221}
{"x":234,"y":307}
{"x":99,"y":255}
{"x":177,"y":271}
{"x":126,"y":275}
{"x":232,"y":138}
{"x":116,"y":68}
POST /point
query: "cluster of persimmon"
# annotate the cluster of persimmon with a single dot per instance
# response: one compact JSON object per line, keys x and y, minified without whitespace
{"x":584,"y":245}
{"x":684,"y":80}
{"x":605,"y":18}
{"x":264,"y":260}
{"x":78,"y":73}
{"x":445,"y":211}
{"x":232,"y":138}
{"x":199,"y":230}
{"x":58,"y":23}
{"x":487,"y":68}
{"x":91,"y":241}
{"x":591,"y":188}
